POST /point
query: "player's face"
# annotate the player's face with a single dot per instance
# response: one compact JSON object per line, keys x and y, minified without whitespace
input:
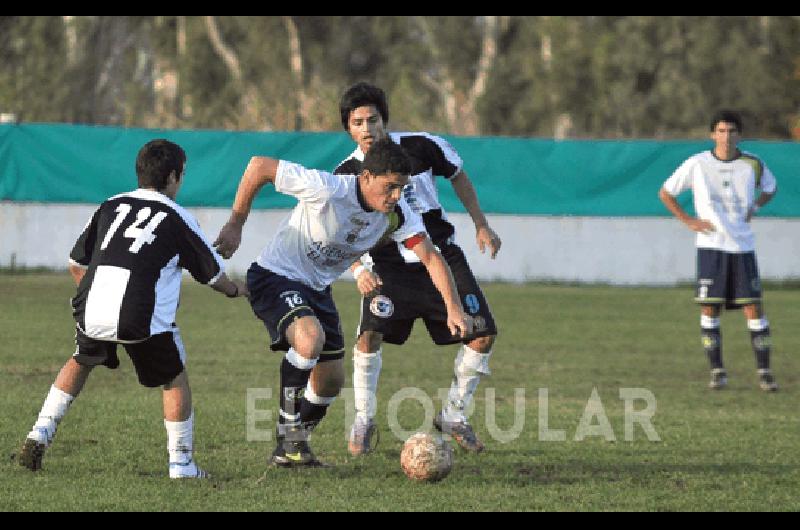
{"x":382,"y":192}
{"x":366,"y":126}
{"x":725,"y":136}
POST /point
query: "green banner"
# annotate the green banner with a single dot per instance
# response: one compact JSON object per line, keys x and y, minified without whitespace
{"x":87,"y":164}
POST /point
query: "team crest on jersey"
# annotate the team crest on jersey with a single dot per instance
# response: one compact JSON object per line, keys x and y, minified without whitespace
{"x":381,"y":306}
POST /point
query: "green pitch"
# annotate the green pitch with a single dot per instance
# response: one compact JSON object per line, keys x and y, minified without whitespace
{"x":730,"y":450}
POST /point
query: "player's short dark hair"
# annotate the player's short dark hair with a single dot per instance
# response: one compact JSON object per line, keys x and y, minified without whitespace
{"x":727,"y":116}
{"x":156,"y":160}
{"x":385,"y":157}
{"x":361,"y":95}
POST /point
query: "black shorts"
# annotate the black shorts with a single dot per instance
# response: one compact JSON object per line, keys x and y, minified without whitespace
{"x":727,"y":278}
{"x":408,"y":293}
{"x":157,"y":360}
{"x":279,"y":301}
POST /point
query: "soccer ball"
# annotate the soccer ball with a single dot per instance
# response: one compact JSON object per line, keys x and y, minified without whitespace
{"x":426,"y":457}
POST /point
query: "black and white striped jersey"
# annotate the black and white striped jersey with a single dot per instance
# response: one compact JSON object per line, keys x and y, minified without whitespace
{"x":431,"y":156}
{"x":134,"y":248}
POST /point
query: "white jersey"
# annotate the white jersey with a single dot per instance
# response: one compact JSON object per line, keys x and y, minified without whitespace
{"x":329,"y":229}
{"x":430,"y":156}
{"x":723,"y":194}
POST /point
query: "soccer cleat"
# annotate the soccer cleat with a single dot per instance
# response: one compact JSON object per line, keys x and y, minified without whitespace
{"x":31,"y":454}
{"x":293,"y":451}
{"x":187,"y":470}
{"x":766,"y":381}
{"x":719,"y":379}
{"x":361,"y":437}
{"x":461,"y":432}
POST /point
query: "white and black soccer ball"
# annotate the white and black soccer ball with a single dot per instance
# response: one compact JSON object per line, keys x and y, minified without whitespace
{"x":426,"y":457}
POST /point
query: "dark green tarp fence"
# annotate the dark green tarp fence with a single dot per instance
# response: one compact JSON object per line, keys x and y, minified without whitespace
{"x":87,"y":164}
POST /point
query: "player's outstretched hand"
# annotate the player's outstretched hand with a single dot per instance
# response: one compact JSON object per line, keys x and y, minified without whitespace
{"x":229,"y":239}
{"x":242,"y":288}
{"x":460,"y":324}
{"x":488,"y":238}
{"x":368,"y":282}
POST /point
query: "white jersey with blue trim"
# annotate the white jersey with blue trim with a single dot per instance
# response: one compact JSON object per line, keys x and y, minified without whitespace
{"x":723,"y":192}
{"x":430,"y":156}
{"x":329,"y":228}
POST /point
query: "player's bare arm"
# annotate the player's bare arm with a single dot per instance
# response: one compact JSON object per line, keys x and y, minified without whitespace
{"x":762,"y":200}
{"x":459,"y":323}
{"x":260,"y":171}
{"x":366,"y":280}
{"x":695,"y":224}
{"x":230,"y":287}
{"x":485,"y":236}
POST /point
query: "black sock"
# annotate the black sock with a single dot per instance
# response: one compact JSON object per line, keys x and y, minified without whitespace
{"x":293,"y":385}
{"x":761,"y":347}
{"x":311,"y":414}
{"x":712,"y":344}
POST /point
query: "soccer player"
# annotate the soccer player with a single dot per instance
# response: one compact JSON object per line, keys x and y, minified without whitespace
{"x":127,"y":264}
{"x":338,"y":218}
{"x":398,"y":280}
{"x":729,"y":186}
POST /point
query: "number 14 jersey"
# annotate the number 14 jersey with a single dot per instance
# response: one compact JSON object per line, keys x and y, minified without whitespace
{"x":134,"y":249}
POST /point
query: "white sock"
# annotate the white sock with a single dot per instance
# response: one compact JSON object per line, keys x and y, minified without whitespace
{"x":469,"y":365}
{"x":54,"y":408}
{"x":179,"y":440}
{"x":366,"y":371}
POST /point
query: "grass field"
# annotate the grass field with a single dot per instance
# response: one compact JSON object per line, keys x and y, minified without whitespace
{"x":730,"y":450}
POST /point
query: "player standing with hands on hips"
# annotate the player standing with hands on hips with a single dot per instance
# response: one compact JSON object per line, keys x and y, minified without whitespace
{"x":729,"y":187}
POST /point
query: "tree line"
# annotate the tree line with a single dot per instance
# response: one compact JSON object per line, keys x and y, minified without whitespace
{"x":542,"y":76}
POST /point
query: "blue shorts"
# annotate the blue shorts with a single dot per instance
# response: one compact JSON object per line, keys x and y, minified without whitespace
{"x":727,"y":278}
{"x":279,"y":301}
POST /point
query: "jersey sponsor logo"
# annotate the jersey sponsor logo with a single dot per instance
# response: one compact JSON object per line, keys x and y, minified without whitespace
{"x":473,"y":305}
{"x":358,"y":226}
{"x":410,"y":195}
{"x":381,"y":306}
{"x":329,"y":255}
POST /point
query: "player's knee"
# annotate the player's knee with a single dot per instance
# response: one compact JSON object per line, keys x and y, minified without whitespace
{"x":369,"y":341}
{"x":483,"y":344}
{"x":307,"y":337}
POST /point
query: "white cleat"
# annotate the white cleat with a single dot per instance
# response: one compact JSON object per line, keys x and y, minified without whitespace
{"x":187,"y":470}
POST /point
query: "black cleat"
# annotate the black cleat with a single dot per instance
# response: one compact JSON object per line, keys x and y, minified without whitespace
{"x":766,"y":381}
{"x":31,"y":454}
{"x":293,"y":451}
{"x":719,"y":379}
